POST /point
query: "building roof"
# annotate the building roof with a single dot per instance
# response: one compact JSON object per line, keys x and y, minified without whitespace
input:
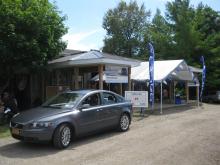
{"x":167,"y":69}
{"x":92,"y":57}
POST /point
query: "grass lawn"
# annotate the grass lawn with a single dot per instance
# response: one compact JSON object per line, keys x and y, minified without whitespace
{"x":4,"y":131}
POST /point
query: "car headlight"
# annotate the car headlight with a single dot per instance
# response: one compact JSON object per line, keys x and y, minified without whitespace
{"x":41,"y":124}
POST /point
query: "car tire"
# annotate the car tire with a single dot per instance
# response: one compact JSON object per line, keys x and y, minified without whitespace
{"x":62,"y":136}
{"x":124,"y":122}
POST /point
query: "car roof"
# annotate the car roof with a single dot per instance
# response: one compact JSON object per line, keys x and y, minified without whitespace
{"x":85,"y":91}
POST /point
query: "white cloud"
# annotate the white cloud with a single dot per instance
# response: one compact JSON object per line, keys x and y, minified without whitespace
{"x":75,"y":40}
{"x":165,"y":0}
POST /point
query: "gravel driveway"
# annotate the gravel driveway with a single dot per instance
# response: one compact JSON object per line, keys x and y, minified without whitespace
{"x":185,"y":136}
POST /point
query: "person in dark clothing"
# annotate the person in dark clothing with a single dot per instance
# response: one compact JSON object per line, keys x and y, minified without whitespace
{"x":10,"y":102}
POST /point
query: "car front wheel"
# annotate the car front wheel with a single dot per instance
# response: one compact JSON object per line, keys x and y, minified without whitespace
{"x":62,"y":136}
{"x":124,"y":122}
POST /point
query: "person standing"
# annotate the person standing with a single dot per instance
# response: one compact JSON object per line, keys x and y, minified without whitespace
{"x":10,"y":102}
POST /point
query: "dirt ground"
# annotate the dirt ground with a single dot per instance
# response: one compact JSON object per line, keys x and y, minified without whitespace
{"x":183,"y":136}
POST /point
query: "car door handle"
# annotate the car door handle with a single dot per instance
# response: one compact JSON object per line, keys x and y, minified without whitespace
{"x":99,"y":109}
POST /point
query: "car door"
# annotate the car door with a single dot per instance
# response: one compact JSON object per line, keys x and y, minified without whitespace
{"x":88,"y":120}
{"x":110,"y":110}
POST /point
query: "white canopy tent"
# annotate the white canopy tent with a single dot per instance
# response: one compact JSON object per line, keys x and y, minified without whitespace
{"x":176,"y":70}
{"x":169,"y":69}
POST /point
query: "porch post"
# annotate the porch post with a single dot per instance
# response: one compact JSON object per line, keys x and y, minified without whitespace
{"x":100,"y":69}
{"x":132,"y":86}
{"x":187,"y":91}
{"x":43,"y":87}
{"x":170,"y":92}
{"x":174,"y":94}
{"x":121,"y":92}
{"x":76,"y":75}
{"x":129,"y":78}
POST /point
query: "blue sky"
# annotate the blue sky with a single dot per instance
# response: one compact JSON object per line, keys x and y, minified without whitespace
{"x":85,"y":19}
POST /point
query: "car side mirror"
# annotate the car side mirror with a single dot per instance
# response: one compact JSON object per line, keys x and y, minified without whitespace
{"x":84,"y":106}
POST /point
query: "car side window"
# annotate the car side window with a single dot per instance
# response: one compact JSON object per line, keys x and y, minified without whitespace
{"x":109,"y":98}
{"x":92,"y":100}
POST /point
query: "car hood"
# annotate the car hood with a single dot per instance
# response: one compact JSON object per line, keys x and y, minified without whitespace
{"x":36,"y":114}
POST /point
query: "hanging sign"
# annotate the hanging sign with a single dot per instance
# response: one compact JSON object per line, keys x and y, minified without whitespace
{"x":116,"y":74}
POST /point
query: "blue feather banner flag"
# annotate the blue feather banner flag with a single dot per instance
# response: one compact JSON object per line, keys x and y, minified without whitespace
{"x":151,"y":73}
{"x":203,"y":76}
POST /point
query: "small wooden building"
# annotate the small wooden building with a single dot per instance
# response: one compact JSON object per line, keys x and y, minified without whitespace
{"x":75,"y":70}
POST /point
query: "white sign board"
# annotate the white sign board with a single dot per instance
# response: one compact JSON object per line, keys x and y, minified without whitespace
{"x":138,"y":98}
{"x":116,"y":74}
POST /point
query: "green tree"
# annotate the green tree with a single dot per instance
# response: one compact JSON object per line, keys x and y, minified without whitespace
{"x":30,"y":34}
{"x":125,"y":25}
{"x":180,"y":16}
{"x":160,"y":34}
{"x":207,"y":23}
{"x":196,"y":32}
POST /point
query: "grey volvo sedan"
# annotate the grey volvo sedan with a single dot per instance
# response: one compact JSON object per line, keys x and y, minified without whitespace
{"x":72,"y":114}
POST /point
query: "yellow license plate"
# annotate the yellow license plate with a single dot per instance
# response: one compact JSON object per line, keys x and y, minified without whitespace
{"x":16,"y":131}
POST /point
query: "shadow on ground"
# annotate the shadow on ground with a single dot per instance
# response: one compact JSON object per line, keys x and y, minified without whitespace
{"x":31,"y":150}
{"x":138,"y":115}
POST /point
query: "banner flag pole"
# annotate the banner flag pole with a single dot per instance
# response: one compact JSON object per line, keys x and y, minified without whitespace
{"x":203,"y":76}
{"x":151,"y":73}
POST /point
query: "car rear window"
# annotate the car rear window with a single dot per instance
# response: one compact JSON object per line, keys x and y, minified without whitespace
{"x":109,"y":98}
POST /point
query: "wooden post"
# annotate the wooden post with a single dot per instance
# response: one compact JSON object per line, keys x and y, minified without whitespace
{"x":129,"y":78}
{"x":170,"y":92}
{"x":76,"y":74}
{"x":43,"y":87}
{"x":31,"y":88}
{"x":100,"y":76}
{"x":121,"y":92}
{"x":187,"y":91}
{"x":174,"y":92}
{"x":132,"y":86}
{"x":58,"y":77}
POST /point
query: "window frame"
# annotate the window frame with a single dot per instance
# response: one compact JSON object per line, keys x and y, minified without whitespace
{"x":100,"y":100}
{"x":111,"y":94}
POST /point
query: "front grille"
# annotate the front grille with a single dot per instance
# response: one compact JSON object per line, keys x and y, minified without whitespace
{"x":16,"y":125}
{"x":27,"y":139}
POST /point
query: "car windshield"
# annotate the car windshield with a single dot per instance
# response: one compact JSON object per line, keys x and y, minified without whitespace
{"x":63,"y":100}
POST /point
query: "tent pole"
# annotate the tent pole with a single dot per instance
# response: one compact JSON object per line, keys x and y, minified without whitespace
{"x":161,"y":97}
{"x":198,"y":95}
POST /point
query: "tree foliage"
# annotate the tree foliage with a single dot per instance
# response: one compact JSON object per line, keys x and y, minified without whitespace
{"x":160,"y":34}
{"x":185,"y":32}
{"x":30,"y":34}
{"x":125,"y":25}
{"x":196,"y":33}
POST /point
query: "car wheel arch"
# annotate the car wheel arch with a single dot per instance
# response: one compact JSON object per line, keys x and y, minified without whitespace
{"x":127,"y":113}
{"x":73,"y":130}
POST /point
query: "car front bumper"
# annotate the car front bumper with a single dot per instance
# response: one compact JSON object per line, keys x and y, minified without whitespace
{"x":32,"y":135}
